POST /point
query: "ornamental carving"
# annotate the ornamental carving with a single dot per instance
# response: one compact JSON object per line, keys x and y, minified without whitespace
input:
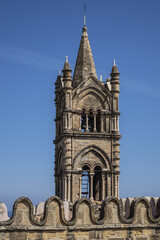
{"x":90,"y":103}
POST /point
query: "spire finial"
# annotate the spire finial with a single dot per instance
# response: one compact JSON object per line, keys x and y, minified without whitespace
{"x":66,"y":58}
{"x":84,"y":14}
{"x":114,"y":62}
{"x":59,"y":72}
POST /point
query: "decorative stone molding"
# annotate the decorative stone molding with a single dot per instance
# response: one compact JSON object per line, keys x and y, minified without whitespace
{"x":116,"y":219}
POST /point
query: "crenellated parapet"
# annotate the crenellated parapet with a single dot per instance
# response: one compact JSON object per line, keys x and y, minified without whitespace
{"x":131,"y":219}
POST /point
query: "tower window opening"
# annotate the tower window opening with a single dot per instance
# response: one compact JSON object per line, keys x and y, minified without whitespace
{"x":85,"y":182}
{"x":98,"y":121}
{"x":97,"y":184}
{"x":90,"y":122}
{"x":59,"y":129}
{"x":83,"y":121}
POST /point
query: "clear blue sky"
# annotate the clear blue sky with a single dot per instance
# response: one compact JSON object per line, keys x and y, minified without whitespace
{"x":35,"y":37}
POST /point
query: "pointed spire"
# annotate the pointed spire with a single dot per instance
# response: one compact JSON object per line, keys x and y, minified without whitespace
{"x":115,"y":81}
{"x":58,"y":81}
{"x":66,"y":65}
{"x":114,"y":68}
{"x":85,"y":63}
{"x":66,"y":73}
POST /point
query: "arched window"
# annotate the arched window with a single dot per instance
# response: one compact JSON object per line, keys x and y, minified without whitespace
{"x":97,"y":183}
{"x":89,"y":123}
{"x":85,"y":182}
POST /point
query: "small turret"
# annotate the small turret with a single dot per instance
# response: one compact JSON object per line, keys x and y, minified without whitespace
{"x":58,"y":89}
{"x":67,"y":83}
{"x":115,"y":81}
{"x":58,"y":82}
{"x":67,"y":80}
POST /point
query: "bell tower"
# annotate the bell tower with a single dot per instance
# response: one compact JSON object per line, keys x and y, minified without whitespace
{"x":87,"y":130}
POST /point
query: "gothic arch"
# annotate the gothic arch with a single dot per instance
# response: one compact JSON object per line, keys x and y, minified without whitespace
{"x":105,"y":161}
{"x":86,"y":164}
{"x":97,"y":165}
{"x":91,"y":92}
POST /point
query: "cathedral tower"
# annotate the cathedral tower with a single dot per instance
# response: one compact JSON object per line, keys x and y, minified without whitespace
{"x":87,"y":130}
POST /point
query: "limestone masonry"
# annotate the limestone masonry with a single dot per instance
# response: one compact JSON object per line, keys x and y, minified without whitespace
{"x":87,"y":204}
{"x":87,"y":130}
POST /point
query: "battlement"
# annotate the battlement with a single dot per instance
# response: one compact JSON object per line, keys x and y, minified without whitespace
{"x":131,"y":218}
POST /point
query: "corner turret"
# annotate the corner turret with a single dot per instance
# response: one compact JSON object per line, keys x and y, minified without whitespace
{"x":115,"y":81}
{"x":58,"y":88}
{"x":67,"y":80}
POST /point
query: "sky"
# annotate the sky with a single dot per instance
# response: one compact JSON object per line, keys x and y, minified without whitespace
{"x":35,"y":37}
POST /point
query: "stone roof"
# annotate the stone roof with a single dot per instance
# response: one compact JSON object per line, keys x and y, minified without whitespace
{"x":66,"y":65}
{"x":85,"y":63}
{"x":114,"y":69}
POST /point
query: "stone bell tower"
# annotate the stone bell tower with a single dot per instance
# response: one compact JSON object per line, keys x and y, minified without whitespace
{"x":87,"y":130}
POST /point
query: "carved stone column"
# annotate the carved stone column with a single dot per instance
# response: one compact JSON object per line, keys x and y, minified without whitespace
{"x":69,"y":187}
{"x":65,"y":121}
{"x":65,"y":188}
{"x":115,"y":122}
{"x":91,"y":186}
{"x":103,"y":186}
{"x":95,"y":129}
{"x":107,"y":123}
{"x":86,"y":122}
{"x":80,"y":184}
{"x":102,"y":123}
{"x":118,"y":123}
{"x":115,"y":186}
{"x":69,"y":121}
{"x":109,"y":182}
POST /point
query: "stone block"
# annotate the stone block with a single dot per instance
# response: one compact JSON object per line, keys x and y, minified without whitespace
{"x":18,"y":236}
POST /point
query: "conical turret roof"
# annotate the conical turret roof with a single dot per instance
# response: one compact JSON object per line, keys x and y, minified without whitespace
{"x":85,"y":63}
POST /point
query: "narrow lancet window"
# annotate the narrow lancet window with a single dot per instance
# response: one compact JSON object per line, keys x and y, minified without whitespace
{"x":85,"y":182}
{"x":97,"y":184}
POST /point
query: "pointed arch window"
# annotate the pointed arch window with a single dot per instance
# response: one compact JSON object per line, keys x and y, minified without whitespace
{"x":91,"y":122}
{"x":85,"y":182}
{"x":97,"y":183}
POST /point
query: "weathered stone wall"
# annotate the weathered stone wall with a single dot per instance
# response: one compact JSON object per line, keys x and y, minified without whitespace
{"x":129,"y":219}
